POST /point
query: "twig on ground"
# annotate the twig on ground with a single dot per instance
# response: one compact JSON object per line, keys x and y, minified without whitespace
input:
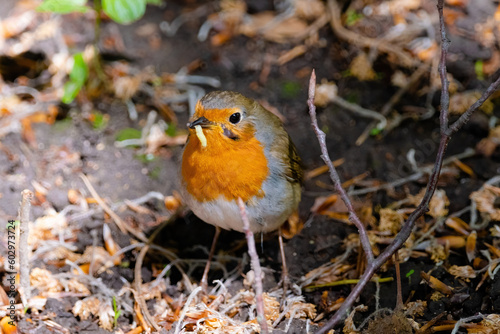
{"x":469,"y":152}
{"x":149,"y":321}
{"x":399,"y":302}
{"x":357,"y":109}
{"x":185,"y":308}
{"x":393,"y":100}
{"x":118,"y":221}
{"x":138,"y":293}
{"x":24,"y":249}
{"x":373,"y":264}
{"x":114,"y":207}
{"x":254,"y":258}
{"x":312,"y":28}
{"x":365,"y":42}
{"x":465,"y":320}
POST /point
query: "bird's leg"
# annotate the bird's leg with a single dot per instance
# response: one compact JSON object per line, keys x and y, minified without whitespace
{"x":284,"y":273}
{"x":204,"y":278}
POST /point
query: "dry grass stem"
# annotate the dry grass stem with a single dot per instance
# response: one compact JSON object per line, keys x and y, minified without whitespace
{"x":24,"y":249}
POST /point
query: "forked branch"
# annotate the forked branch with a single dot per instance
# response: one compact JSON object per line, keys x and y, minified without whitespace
{"x":373,"y":264}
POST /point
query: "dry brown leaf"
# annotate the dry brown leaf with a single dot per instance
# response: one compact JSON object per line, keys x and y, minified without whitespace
{"x":399,"y":79}
{"x":458,"y":3}
{"x":158,"y":138}
{"x":75,"y":286}
{"x":417,"y":307}
{"x":153,"y":289}
{"x":4,"y":299}
{"x":61,"y":253}
{"x":328,"y":273}
{"x":16,"y":24}
{"x":464,"y":168}
{"x":349,"y":327}
{"x":110,"y":244}
{"x":322,"y":204}
{"x":486,"y":199}
{"x":326,"y":92}
{"x":460,"y":102}
{"x":301,"y":310}
{"x":437,"y":205}
{"x":458,"y":225}
{"x":280,"y":31}
{"x":44,"y":281}
{"x":465,"y":272}
{"x":271,"y":307}
{"x":489,"y":325}
{"x":491,"y":65}
{"x":488,"y":145}
{"x":427,"y":50}
{"x":106,"y":315}
{"x":453,"y":241}
{"x":438,"y":252}
{"x":289,"y":55}
{"x":309,"y":9}
{"x":232,"y":12}
{"x":436,"y":284}
{"x":322,"y":169}
{"x":494,"y":250}
{"x":470,"y":246}
{"x":390,"y":221}
{"x":127,"y":86}
{"x":97,"y":255}
{"x":361,"y":68}
{"x":292,"y":226}
{"x":74,"y":196}
{"x":495,"y":231}
{"x":86,"y":307}
{"x":173,"y":202}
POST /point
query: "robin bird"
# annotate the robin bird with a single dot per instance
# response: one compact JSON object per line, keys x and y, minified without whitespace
{"x":238,"y":149}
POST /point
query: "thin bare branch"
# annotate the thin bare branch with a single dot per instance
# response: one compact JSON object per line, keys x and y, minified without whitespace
{"x":404,"y":233}
{"x":445,"y":98}
{"x":254,"y":258}
{"x":363,"y":235}
{"x":464,"y":118}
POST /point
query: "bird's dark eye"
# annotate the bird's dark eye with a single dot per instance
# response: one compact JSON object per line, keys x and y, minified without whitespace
{"x":235,"y":118}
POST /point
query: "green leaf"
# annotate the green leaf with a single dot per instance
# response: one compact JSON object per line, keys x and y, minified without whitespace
{"x":145,"y":158}
{"x":63,"y":6}
{"x":478,"y":67}
{"x":290,"y":89}
{"x":155,"y":173}
{"x":128,"y":133}
{"x":77,"y":77}
{"x":124,"y":11}
{"x":408,"y":274}
{"x":99,"y":120}
{"x":352,"y":17}
{"x":155,"y":2}
{"x":71,"y":90}
{"x":80,"y":71}
{"x":171,"y":130}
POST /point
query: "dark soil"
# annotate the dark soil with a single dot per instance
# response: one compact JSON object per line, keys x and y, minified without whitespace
{"x":72,"y":146}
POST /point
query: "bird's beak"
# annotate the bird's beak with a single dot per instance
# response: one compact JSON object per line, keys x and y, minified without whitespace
{"x":202,"y":121}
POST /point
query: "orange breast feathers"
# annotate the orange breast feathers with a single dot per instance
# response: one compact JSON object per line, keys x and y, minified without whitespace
{"x":225,"y":167}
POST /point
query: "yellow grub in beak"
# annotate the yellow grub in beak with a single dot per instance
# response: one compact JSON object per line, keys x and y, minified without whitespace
{"x":201,"y":135}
